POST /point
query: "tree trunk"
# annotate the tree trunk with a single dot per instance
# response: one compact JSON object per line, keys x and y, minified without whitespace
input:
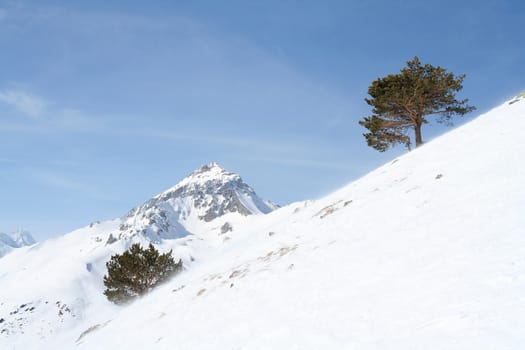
{"x":419,"y":139}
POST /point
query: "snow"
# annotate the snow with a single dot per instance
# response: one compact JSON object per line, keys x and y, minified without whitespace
{"x":254,"y":204}
{"x":425,"y":252}
{"x":209,"y":172}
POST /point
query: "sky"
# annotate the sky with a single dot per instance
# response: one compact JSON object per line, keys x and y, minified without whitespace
{"x":106,"y":104}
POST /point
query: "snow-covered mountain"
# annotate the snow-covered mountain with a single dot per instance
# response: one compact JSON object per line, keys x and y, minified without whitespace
{"x":52,"y":283}
{"x":17,"y":239}
{"x":207,"y":194}
{"x":426,"y":252}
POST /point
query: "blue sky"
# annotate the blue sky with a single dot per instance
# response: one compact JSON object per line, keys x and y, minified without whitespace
{"x":105,"y":104}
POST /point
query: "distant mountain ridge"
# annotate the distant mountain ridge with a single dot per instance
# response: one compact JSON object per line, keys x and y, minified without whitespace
{"x":17,"y":239}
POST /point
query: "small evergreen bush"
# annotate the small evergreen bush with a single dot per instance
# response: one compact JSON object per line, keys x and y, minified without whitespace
{"x":136,"y":271}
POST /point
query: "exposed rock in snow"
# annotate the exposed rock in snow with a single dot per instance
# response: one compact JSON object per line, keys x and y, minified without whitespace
{"x":517,"y":98}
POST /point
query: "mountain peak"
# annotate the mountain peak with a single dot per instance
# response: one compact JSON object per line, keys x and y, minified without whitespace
{"x":215,"y":191}
{"x":210,"y":167}
{"x":208,"y":172}
{"x":207,"y":193}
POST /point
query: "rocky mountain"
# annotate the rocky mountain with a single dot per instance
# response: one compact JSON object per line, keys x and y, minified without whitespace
{"x":14,"y":240}
{"x":206,"y":194}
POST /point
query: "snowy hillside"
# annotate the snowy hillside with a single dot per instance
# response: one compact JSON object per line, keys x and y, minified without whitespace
{"x":57,"y":284}
{"x":426,"y":252}
{"x":14,"y":240}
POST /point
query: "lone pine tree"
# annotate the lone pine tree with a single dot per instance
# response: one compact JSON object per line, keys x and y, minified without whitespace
{"x":403,"y":101}
{"x":136,"y":271}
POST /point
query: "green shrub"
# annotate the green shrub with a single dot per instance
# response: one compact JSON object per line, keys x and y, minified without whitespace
{"x":136,"y":271}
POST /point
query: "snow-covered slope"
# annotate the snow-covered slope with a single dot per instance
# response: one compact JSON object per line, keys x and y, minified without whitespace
{"x":57,"y":284}
{"x":426,"y":252}
{"x":14,"y":240}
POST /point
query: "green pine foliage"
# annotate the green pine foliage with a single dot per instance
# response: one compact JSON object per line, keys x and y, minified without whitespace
{"x":136,"y":271}
{"x":403,"y":102}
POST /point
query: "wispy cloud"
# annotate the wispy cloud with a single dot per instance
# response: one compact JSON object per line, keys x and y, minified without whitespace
{"x":228,"y":140}
{"x":69,"y":119}
{"x":28,"y":104}
{"x":45,"y":116}
{"x":295,"y":152}
{"x":309,"y":163}
{"x":63,"y":182}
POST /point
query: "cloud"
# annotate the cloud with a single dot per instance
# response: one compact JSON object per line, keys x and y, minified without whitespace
{"x":64,"y":182}
{"x":69,"y":119}
{"x":226,"y":139}
{"x":28,"y":104}
{"x":309,"y":163}
{"x":3,"y":13}
{"x":45,"y":116}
